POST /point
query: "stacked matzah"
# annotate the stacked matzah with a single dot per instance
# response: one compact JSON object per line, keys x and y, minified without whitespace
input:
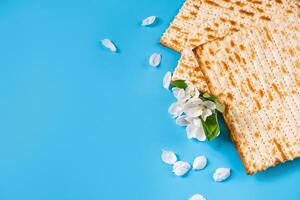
{"x":248,"y":54}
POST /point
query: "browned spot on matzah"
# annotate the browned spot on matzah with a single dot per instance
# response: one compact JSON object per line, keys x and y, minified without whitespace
{"x":270,"y":97}
{"x":261,"y":93}
{"x":268,"y":34}
{"x":249,"y":85}
{"x":265,"y":18}
{"x":230,"y":59}
{"x":297,"y":63}
{"x":242,"y":47}
{"x":283,"y":69}
{"x":291,"y":51}
{"x":260,"y":10}
{"x":232,"y":44}
{"x":257,"y":104}
{"x":243,"y":90}
{"x":237,"y":57}
{"x":211,"y":51}
{"x":208,"y":29}
{"x":254,"y":76}
{"x":175,"y":28}
{"x":225,"y":66}
{"x":232,"y":81}
{"x":238,"y":3}
{"x":255,"y":2}
{"x":211,"y":3}
{"x":278,"y":146}
{"x":246,"y":13}
{"x":278,"y":1}
{"x":229,"y":96}
{"x":256,"y":135}
{"x":175,"y":42}
{"x":276,"y":90}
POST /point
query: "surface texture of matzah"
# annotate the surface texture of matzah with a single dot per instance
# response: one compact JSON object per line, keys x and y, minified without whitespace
{"x":177,"y":34}
{"x":217,"y":19}
{"x":256,"y":74}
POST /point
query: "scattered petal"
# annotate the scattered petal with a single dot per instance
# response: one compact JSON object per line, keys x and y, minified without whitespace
{"x":197,"y":197}
{"x":148,"y":21}
{"x":107,"y":43}
{"x":168,"y":157}
{"x":155,"y":59}
{"x":167,"y":80}
{"x":199,"y":163}
{"x":181,"y":121}
{"x":221,"y":174}
{"x":180,"y":168}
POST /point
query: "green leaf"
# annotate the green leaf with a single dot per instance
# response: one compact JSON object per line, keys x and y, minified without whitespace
{"x":179,"y":83}
{"x":220,"y":107}
{"x":211,"y":127}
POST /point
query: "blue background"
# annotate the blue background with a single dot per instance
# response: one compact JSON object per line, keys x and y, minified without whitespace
{"x":80,"y":122}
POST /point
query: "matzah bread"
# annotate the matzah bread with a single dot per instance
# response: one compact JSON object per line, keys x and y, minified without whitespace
{"x":177,"y":34}
{"x":256,"y":74}
{"x":217,"y":19}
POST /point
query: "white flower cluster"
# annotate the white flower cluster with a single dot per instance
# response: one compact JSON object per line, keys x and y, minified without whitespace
{"x":189,"y":109}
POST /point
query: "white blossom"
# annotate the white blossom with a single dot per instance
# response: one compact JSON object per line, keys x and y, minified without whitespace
{"x":148,"y":21}
{"x":155,"y":59}
{"x":167,"y":80}
{"x":197,"y":197}
{"x":168,"y":157}
{"x":107,"y":43}
{"x":221,"y":174}
{"x":180,"y":168}
{"x":199,"y":162}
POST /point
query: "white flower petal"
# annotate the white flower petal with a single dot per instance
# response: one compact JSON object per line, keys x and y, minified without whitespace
{"x":167,"y":80}
{"x":180,"y":168}
{"x":200,"y":135}
{"x":175,"y":90}
{"x":206,"y":113}
{"x":195,"y":100}
{"x":197,"y":122}
{"x":175,"y":109}
{"x":197,"y":197}
{"x":199,"y":163}
{"x":192,"y":110}
{"x":195,"y":131}
{"x":180,"y":95}
{"x":221,"y":174}
{"x":148,"y":21}
{"x":155,"y":59}
{"x":209,"y":105}
{"x":107,"y":43}
{"x":181,"y":121}
{"x":168,"y":157}
{"x":191,"y":131}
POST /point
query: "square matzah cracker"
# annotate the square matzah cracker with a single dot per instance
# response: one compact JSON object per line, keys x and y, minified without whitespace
{"x":217,"y":19}
{"x":177,"y":34}
{"x":256,"y":74}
